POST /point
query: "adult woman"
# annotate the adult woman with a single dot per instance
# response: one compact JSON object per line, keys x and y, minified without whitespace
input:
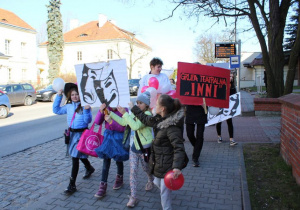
{"x":168,"y":151}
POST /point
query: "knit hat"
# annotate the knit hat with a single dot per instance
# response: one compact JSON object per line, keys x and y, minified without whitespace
{"x":144,"y":97}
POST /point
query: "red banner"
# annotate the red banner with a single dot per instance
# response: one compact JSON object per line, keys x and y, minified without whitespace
{"x":196,"y":81}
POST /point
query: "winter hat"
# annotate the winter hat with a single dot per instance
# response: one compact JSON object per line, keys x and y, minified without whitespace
{"x":144,"y":97}
{"x":69,"y":86}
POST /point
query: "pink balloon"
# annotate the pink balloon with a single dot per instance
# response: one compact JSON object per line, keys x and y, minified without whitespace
{"x":172,"y":93}
{"x":153,"y":82}
{"x":144,"y":88}
{"x":171,"y":183}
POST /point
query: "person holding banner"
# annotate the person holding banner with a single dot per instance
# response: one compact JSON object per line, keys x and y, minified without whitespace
{"x":156,"y":67}
{"x":111,"y":148}
{"x":168,"y":151}
{"x":195,"y":116}
{"x":229,"y":121}
{"x":78,"y":118}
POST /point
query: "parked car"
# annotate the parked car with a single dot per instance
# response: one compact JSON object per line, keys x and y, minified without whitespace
{"x":134,"y":85}
{"x":22,"y":93}
{"x":47,"y":94}
{"x":4,"y":105}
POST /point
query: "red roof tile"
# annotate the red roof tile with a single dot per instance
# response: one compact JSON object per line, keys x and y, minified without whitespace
{"x":91,"y":32}
{"x":12,"y":19}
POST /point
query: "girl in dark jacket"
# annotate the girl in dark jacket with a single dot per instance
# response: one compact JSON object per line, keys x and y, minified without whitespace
{"x":168,"y":151}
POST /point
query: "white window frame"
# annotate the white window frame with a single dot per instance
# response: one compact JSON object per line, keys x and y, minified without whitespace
{"x":79,"y":55}
{"x":7,"y":46}
{"x":23,"y":49}
{"x":109,"y":54}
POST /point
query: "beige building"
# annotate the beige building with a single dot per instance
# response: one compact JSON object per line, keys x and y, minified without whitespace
{"x":100,"y":40}
{"x":17,"y":50}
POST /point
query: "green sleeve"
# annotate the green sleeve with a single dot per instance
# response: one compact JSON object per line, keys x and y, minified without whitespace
{"x":118,"y":119}
{"x":134,"y":124}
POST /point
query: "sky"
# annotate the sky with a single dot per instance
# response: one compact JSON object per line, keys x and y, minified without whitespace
{"x":172,"y":40}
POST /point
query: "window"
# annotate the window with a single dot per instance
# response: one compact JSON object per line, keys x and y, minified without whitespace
{"x":79,"y":56}
{"x":17,"y":88}
{"x":9,"y":74}
{"x":24,"y":74}
{"x":27,"y":87}
{"x":7,"y":47}
{"x":109,"y":54}
{"x":23,"y":49}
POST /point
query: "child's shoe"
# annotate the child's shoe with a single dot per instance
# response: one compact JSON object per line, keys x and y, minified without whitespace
{"x":132,"y":202}
{"x":149,"y":186}
{"x":220,"y":139}
{"x":102,"y":190}
{"x":233,"y":143}
{"x":88,"y":172}
{"x":119,"y":182}
{"x":71,"y":188}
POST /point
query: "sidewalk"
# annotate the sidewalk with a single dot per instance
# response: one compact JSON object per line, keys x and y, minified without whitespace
{"x":35,"y":178}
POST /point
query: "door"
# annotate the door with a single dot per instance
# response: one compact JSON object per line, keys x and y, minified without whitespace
{"x":19,"y":93}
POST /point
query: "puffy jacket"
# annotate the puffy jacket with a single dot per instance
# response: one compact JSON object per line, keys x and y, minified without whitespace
{"x":144,"y":132}
{"x":81,"y":120}
{"x":167,"y":148}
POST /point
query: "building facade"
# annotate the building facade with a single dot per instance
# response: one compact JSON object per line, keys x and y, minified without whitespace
{"x":17,"y":50}
{"x":97,"y":41}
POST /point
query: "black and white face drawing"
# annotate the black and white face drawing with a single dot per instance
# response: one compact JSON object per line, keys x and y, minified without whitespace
{"x":225,"y":113}
{"x":233,"y":104}
{"x":99,"y":84}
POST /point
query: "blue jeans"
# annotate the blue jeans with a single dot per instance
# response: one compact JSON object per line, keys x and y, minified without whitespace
{"x":106,"y":166}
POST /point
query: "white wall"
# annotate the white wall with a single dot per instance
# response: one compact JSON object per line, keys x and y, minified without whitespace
{"x":17,"y":62}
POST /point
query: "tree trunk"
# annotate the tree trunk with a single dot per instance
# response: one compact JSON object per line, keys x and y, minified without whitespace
{"x":293,"y":63}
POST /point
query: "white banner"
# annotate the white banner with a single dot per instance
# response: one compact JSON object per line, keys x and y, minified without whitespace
{"x":224,"y":114}
{"x":103,"y":82}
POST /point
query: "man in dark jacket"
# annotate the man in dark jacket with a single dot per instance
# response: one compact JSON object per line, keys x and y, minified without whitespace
{"x":195,"y":115}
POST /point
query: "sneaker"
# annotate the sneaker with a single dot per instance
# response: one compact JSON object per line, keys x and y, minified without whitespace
{"x":88,"y":172}
{"x":149,"y":186}
{"x":220,"y":139}
{"x":102,"y":190}
{"x":118,"y":183}
{"x":196,"y":163}
{"x":70,"y":189}
{"x":132,"y":202}
{"x":232,"y":143}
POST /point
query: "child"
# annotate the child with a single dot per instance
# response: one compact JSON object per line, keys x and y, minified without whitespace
{"x":168,"y":151}
{"x":136,"y":155}
{"x":82,"y":117}
{"x":110,"y":148}
{"x":155,"y":66}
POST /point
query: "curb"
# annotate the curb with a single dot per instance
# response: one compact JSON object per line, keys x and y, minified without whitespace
{"x":244,"y":185}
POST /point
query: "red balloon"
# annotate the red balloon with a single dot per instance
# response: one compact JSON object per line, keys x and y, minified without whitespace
{"x":171,"y":183}
{"x":172,"y":93}
{"x":153,"y":82}
{"x":144,"y":88}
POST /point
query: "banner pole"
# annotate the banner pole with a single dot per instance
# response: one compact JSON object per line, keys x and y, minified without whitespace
{"x":204,"y":103}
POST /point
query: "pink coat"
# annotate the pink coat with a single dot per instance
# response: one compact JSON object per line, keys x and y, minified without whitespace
{"x":114,"y":126}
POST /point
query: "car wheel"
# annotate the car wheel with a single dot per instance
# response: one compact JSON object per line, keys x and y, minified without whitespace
{"x":52,"y":97}
{"x":28,"y":101}
{"x":3,"y":112}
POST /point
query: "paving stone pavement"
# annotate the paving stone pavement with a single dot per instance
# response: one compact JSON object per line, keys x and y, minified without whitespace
{"x":35,"y":178}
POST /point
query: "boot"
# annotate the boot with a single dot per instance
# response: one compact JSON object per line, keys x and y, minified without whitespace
{"x":119,"y":182}
{"x":102,"y":190}
{"x":71,"y":188}
{"x":88,"y":172}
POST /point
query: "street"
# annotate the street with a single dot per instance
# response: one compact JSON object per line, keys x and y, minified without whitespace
{"x":28,"y":126}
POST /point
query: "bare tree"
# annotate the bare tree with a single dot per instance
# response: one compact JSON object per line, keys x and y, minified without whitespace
{"x":205,"y":48}
{"x":131,"y":51}
{"x":268,"y":19}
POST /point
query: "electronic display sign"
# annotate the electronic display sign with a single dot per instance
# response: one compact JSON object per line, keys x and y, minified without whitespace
{"x":224,"y":50}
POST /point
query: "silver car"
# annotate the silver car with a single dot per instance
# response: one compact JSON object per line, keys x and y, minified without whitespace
{"x":4,"y":105}
{"x":19,"y":93}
